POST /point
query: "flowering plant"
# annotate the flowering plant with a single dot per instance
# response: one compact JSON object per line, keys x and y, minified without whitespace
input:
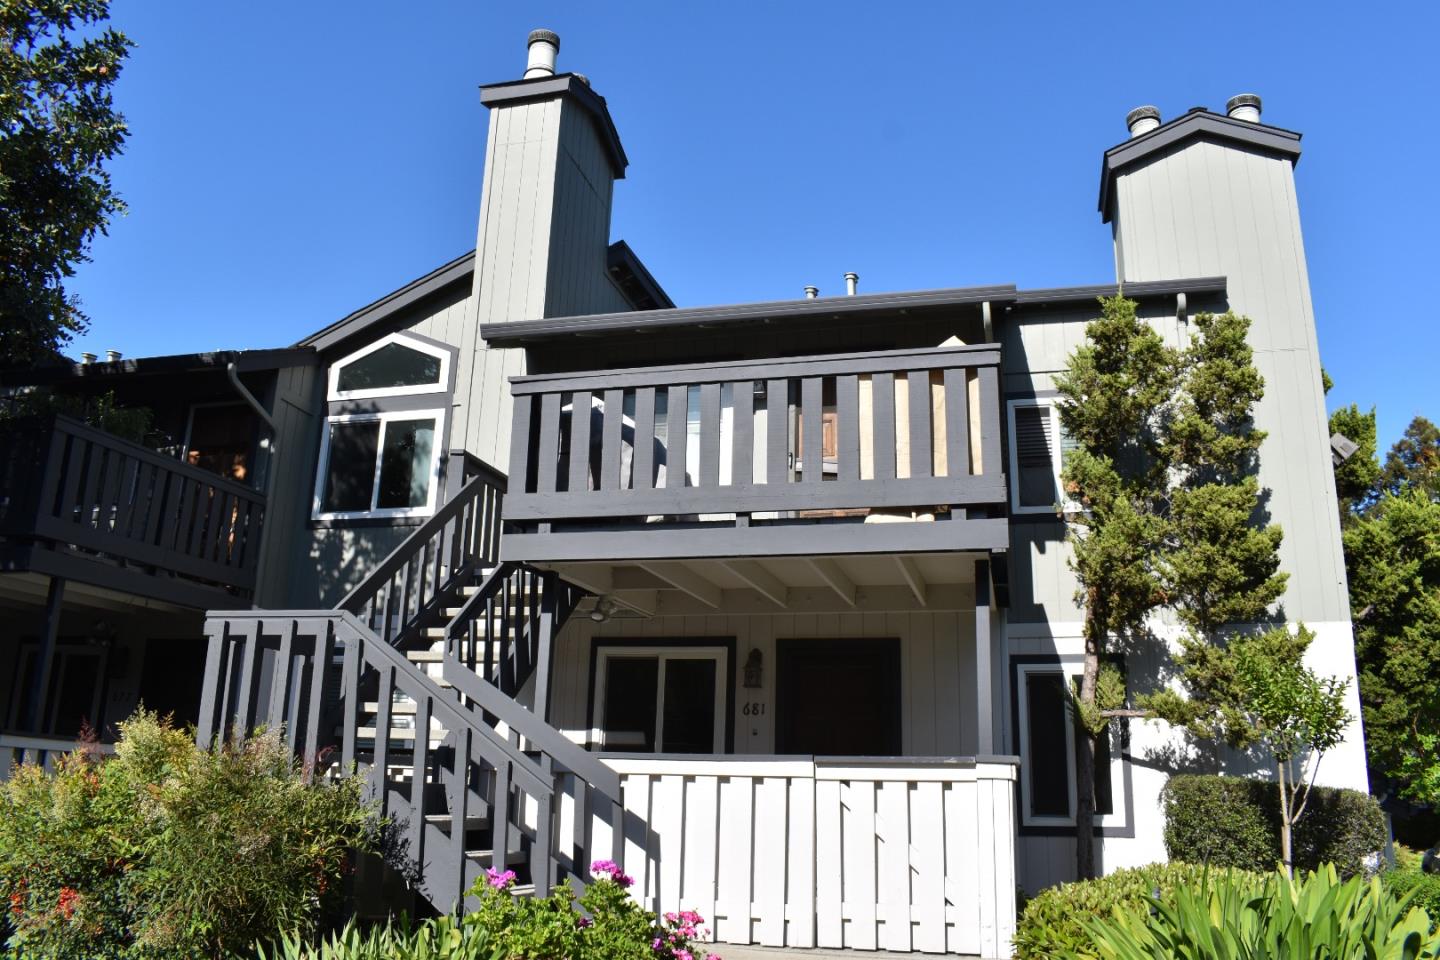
{"x":604,"y":923}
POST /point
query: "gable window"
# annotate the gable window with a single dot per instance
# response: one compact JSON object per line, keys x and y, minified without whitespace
{"x":393,"y":365}
{"x":660,"y":699}
{"x":381,"y":458}
{"x":1037,"y":450}
{"x":1048,"y":743}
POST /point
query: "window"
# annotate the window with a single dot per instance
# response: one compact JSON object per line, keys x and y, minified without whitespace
{"x":379,"y":465}
{"x":380,"y":458}
{"x":1037,"y":450}
{"x":393,"y":365}
{"x":660,"y":699}
{"x":1048,"y":744}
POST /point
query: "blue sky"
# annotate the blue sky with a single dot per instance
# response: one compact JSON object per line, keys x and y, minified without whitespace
{"x":291,"y":162}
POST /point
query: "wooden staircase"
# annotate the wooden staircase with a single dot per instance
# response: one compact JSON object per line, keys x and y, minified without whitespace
{"x":420,"y":682}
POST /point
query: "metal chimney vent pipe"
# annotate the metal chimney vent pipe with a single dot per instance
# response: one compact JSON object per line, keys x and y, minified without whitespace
{"x":1142,"y":120}
{"x":112,"y":356}
{"x":544,"y":47}
{"x":811,"y":293}
{"x":87,"y":358}
{"x":1244,"y":106}
{"x":852,"y":281}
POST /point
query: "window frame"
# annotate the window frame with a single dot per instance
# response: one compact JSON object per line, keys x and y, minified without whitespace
{"x":718,"y":652}
{"x":1057,"y":453}
{"x":322,"y":473}
{"x":1069,"y":669}
{"x":334,"y":392}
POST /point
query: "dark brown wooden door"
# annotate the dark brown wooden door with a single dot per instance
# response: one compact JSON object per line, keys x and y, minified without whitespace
{"x":838,"y":697}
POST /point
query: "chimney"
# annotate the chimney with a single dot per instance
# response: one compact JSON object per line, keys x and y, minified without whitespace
{"x":544,"y":48}
{"x":112,"y":356}
{"x":1244,"y":106}
{"x":811,"y":293}
{"x":852,"y":281}
{"x":87,"y":358}
{"x":1142,"y":120}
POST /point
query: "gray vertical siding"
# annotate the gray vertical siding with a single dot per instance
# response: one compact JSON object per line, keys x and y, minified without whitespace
{"x":1209,"y":209}
{"x":298,"y":405}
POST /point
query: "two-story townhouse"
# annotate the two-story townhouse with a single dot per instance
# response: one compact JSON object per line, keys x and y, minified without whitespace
{"x":767,"y":601}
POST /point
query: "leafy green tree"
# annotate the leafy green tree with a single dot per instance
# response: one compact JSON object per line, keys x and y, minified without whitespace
{"x":1163,"y":474}
{"x":1358,"y":477}
{"x":58,"y":127}
{"x":1255,"y":690}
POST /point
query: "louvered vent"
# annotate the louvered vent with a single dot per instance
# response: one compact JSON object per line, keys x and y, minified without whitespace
{"x":1032,"y":437}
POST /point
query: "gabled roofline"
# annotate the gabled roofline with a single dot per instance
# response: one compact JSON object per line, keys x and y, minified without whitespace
{"x":515,"y":333}
{"x":622,"y":263}
{"x":462,"y":267}
{"x":568,"y":85}
{"x":1195,"y":125}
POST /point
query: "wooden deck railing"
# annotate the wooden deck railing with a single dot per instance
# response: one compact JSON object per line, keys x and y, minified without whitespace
{"x":16,"y":748}
{"x":899,"y":854}
{"x":73,"y":487}
{"x":756,"y":439}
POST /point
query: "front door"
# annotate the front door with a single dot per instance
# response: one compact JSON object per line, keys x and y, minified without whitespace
{"x":838,"y":697}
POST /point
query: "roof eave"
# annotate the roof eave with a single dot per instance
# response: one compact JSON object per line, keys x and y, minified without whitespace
{"x":567,"y":85}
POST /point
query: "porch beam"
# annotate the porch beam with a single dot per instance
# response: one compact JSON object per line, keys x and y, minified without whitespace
{"x":686,"y":580}
{"x":984,"y":675}
{"x":643,"y":602}
{"x":831,"y":573}
{"x":910,"y":570}
{"x":35,"y":704}
{"x":593,"y":578}
{"x":820,"y":598}
{"x":766,"y":583}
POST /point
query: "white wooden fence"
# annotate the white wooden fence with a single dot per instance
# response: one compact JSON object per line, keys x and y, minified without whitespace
{"x":913,"y":854}
{"x":26,"y":748}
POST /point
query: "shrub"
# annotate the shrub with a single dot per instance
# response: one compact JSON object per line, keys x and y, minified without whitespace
{"x":1319,"y":915}
{"x":438,"y":938}
{"x":1235,"y":822}
{"x":166,"y":850}
{"x":1408,"y":880}
{"x":1053,"y":923}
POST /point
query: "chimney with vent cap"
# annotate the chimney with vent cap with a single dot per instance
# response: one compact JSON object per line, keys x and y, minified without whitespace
{"x":1142,"y":120}
{"x":852,"y":282}
{"x":544,"y":47}
{"x":1244,"y":106}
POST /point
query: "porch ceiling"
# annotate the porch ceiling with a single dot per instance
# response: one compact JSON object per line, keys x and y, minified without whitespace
{"x":818,"y":584}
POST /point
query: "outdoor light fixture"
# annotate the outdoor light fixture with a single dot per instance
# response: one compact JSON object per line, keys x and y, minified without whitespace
{"x":752,"y":670}
{"x":604,"y":606}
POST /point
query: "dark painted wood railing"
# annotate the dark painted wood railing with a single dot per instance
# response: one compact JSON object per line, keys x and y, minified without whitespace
{"x":463,"y":536}
{"x":906,"y":429}
{"x":473,"y":761}
{"x":71,"y":486}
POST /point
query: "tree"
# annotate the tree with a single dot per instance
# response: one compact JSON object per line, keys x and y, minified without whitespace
{"x":1414,"y":461}
{"x":1357,"y":479}
{"x":1254,"y":690}
{"x":58,"y":127}
{"x":1163,"y":475}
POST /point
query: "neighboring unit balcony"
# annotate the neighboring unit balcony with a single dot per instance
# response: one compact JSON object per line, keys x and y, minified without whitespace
{"x":81,"y":504}
{"x":894,"y":452}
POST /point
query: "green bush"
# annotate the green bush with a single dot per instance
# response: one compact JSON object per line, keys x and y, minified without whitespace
{"x":1407,"y":880}
{"x":1319,"y":915}
{"x":439,"y":938}
{"x":1235,"y":822}
{"x":166,"y":850}
{"x":1053,"y":923}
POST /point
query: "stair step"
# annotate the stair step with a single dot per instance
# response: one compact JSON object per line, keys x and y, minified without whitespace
{"x":402,"y":733}
{"x":471,"y":822}
{"x":423,"y":655}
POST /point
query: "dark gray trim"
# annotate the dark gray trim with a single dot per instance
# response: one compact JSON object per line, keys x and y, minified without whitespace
{"x":246,"y":361}
{"x":727,"y":642}
{"x":517,"y":332}
{"x":1190,"y":126}
{"x":567,"y":85}
{"x":1135,"y":291}
{"x":958,"y":761}
{"x":461,"y":268}
{"x":635,"y":282}
{"x":1126,"y":832}
{"x":801,"y":539}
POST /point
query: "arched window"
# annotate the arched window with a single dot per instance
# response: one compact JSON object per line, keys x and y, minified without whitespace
{"x":391,"y":366}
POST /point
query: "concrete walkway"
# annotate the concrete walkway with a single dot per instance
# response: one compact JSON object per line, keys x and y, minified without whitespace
{"x":732,"y":951}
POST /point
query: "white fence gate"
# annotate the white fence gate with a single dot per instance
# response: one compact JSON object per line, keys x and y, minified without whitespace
{"x":912,"y":854}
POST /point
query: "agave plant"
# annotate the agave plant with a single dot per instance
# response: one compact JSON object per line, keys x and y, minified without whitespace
{"x":1229,"y":918}
{"x":441,"y":938}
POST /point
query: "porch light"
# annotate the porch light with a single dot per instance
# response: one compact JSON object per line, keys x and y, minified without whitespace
{"x":752,"y":670}
{"x":604,"y":606}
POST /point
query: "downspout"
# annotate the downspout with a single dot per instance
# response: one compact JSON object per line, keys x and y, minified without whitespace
{"x":249,"y":398}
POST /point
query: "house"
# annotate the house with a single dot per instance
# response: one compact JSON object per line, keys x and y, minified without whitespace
{"x":767,"y":601}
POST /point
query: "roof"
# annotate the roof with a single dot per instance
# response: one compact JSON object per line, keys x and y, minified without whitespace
{"x":636,"y":284}
{"x":520,"y":332}
{"x":461,"y":268}
{"x":245,"y":361}
{"x":1198,"y":124}
{"x":570,"y":85}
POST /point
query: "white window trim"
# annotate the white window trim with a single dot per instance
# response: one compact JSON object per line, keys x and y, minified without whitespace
{"x":1069,"y":668}
{"x":603,"y":654}
{"x":1055,"y":457}
{"x":335,"y":393}
{"x":323,"y":473}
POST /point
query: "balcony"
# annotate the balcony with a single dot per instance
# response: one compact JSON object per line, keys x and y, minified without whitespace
{"x":894,"y":452}
{"x":83,"y":505}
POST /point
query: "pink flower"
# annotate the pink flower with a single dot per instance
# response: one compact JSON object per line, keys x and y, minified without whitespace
{"x":582,"y":922}
{"x":610,"y":870}
{"x":498,"y":880}
{"x":683,"y":955}
{"x":655,"y":945}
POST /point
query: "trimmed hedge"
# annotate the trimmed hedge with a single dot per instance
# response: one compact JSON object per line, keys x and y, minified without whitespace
{"x":1052,"y":924}
{"x":1235,"y":822}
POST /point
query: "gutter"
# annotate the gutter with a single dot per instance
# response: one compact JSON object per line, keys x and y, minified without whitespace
{"x":232,"y":372}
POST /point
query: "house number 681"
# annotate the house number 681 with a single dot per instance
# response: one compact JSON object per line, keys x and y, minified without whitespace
{"x":753,"y":709}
